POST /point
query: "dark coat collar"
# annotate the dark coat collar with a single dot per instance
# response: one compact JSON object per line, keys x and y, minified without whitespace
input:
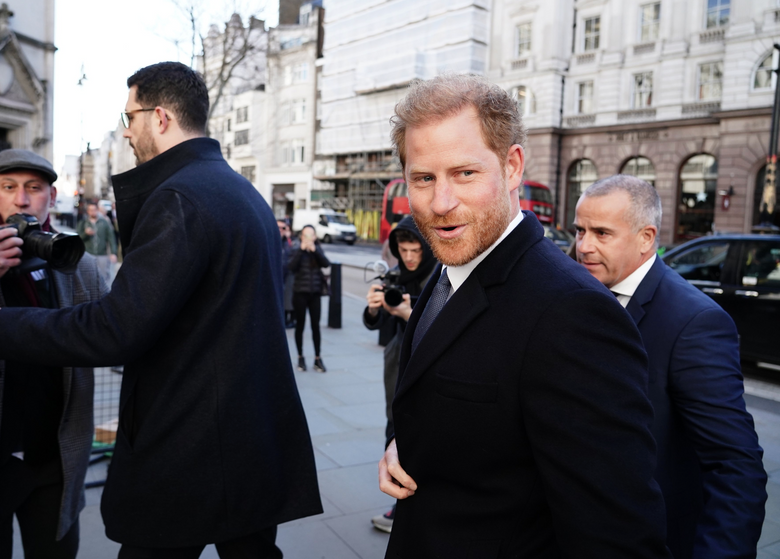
{"x":646,"y":290}
{"x":131,"y":189}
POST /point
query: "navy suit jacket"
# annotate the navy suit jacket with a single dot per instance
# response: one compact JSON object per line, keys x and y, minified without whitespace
{"x":709,"y":460}
{"x":523,"y":417}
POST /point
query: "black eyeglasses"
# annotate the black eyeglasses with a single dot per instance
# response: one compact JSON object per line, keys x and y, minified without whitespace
{"x":126,"y":118}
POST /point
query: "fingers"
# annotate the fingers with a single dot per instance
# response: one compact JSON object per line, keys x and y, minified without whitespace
{"x":393,"y":480}
{"x":10,"y":249}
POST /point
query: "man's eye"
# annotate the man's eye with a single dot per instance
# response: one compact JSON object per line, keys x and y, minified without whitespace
{"x":427,"y":179}
{"x":468,"y":173}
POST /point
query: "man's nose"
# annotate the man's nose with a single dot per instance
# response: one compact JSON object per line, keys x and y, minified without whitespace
{"x":126,"y":133}
{"x":21,"y":199}
{"x":584,"y":243}
{"x":444,"y":198}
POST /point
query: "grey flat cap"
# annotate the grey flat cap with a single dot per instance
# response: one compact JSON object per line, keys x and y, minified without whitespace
{"x":11,"y":159}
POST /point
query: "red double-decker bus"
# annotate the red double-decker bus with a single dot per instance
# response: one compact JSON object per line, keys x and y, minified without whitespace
{"x":534,"y":196}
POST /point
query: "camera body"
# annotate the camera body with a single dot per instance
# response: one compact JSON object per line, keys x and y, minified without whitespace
{"x":394,"y":291}
{"x":62,"y":251}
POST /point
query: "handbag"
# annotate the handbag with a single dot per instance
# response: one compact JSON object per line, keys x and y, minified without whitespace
{"x":324,"y":284}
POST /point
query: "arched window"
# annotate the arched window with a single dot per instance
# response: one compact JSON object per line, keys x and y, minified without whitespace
{"x":696,"y":208}
{"x":641,"y":168}
{"x":524,"y":99}
{"x":581,"y":175}
{"x":762,"y":79}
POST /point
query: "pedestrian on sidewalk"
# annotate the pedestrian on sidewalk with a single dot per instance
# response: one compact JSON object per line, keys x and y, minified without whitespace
{"x":522,"y":422}
{"x":99,"y":240}
{"x":710,"y":465}
{"x":306,"y":263}
{"x":287,"y":276}
{"x":45,"y":409}
{"x":212,"y":443}
{"x":415,"y":266}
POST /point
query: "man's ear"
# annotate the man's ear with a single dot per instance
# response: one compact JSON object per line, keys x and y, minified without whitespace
{"x":52,"y":196}
{"x":161,"y":120}
{"x":648,"y":234}
{"x":515,"y":165}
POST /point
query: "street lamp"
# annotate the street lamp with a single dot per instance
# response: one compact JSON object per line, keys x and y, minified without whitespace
{"x":769,"y":196}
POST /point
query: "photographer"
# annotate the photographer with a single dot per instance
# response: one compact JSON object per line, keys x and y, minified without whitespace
{"x":415,"y":264}
{"x":45,"y":412}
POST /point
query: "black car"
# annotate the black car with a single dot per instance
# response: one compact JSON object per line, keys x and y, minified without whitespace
{"x":741,"y":273}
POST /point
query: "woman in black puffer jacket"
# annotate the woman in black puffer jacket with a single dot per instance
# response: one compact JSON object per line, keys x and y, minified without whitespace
{"x":306,"y":262}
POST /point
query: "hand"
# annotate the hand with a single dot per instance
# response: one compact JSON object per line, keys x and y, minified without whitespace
{"x":112,"y":258}
{"x":403,"y":310}
{"x":393,"y":480}
{"x":376,"y":299}
{"x":89,"y":231}
{"x":10,"y":249}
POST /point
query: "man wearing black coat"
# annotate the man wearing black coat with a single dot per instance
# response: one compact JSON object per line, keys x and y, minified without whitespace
{"x":212,"y":445}
{"x":522,"y":423}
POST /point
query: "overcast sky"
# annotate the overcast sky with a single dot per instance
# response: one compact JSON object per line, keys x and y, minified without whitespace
{"x":112,"y":39}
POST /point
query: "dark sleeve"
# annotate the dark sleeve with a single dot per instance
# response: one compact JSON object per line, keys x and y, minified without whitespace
{"x":319,"y":255}
{"x":167,"y":259}
{"x":374,"y":322}
{"x":295,"y":259}
{"x":706,"y":388}
{"x":587,"y":417}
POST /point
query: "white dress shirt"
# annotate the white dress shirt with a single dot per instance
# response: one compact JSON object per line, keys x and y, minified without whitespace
{"x":626,"y":288}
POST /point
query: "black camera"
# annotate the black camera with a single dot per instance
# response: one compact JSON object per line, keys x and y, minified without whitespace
{"x":394,"y":292}
{"x":62,"y":251}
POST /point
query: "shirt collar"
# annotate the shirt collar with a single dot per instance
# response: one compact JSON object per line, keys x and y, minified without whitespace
{"x":626,"y":288}
{"x":459,"y":274}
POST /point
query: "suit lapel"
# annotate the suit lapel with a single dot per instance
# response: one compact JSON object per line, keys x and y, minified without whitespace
{"x":644,"y":293}
{"x":466,"y":304}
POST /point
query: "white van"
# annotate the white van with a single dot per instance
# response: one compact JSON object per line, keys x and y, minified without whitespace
{"x":329,"y":225}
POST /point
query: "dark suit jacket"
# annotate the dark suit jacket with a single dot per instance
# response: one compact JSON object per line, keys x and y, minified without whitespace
{"x":76,"y":423}
{"x":523,"y":418}
{"x":212,"y":442}
{"x":709,"y":460}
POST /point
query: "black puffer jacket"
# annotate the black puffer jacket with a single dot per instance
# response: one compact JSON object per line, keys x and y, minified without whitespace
{"x":306,"y":267}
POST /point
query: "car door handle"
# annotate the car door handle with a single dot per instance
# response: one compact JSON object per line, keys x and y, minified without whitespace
{"x":713,"y":290}
{"x":746,"y":293}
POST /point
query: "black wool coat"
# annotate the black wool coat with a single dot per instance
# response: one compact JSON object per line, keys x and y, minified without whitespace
{"x":523,"y":417}
{"x":212,"y":442}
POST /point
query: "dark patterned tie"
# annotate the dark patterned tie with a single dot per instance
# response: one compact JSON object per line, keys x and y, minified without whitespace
{"x":441,"y":292}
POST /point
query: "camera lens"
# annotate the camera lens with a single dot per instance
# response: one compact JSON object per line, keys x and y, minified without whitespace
{"x":393,"y":296}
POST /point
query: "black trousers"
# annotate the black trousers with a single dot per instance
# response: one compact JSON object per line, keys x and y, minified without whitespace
{"x":261,"y":545}
{"x":301,"y":302}
{"x":34,"y":496}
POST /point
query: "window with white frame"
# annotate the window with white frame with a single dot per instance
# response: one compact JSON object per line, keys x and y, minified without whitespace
{"x":592,"y":33}
{"x":298,"y":111}
{"x":523,"y":39}
{"x":643,"y":91}
{"x":649,"y":18}
{"x":300,"y":72}
{"x":248,"y":172}
{"x":288,"y":75}
{"x":242,"y":114}
{"x":296,"y":152}
{"x":763,"y":76}
{"x":585,"y":97}
{"x":718,"y":13}
{"x":524,"y":100}
{"x":241,"y":138}
{"x":710,"y":81}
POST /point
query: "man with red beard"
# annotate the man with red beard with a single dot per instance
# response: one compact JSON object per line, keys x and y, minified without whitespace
{"x":522,"y":423}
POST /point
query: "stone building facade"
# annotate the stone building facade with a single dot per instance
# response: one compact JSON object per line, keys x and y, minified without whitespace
{"x":27,"y":75}
{"x":678,"y":92}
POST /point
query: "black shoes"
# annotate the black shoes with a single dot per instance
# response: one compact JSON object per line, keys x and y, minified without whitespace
{"x":319,"y":366}
{"x":302,"y":363}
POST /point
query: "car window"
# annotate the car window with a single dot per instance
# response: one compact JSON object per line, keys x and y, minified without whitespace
{"x":702,"y":262}
{"x":761,"y":264}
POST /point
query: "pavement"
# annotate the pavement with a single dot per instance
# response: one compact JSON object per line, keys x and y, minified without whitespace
{"x":345,"y":411}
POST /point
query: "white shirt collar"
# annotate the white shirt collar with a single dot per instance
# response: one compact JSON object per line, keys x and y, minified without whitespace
{"x":626,"y":288}
{"x":459,"y":274}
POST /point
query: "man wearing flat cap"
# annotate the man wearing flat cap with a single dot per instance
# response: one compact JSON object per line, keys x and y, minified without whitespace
{"x":45,"y":412}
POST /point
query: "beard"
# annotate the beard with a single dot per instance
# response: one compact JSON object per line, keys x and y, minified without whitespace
{"x":144,"y":149}
{"x":484,"y":229}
